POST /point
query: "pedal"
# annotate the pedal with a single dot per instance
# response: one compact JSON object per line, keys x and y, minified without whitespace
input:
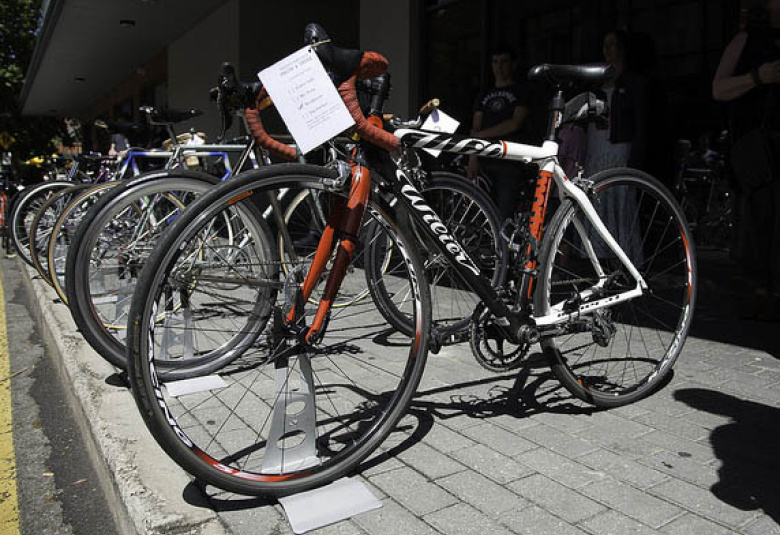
{"x":436,"y":341}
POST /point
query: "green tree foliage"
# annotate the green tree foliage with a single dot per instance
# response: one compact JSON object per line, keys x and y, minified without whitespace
{"x":19,"y":23}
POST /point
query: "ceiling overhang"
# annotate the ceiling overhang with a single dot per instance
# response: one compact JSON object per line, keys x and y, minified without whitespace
{"x":87,"y":47}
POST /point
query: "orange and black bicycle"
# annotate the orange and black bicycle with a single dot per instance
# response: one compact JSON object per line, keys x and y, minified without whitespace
{"x":310,"y":391}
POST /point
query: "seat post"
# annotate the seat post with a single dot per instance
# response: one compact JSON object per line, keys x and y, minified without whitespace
{"x":557,"y":105}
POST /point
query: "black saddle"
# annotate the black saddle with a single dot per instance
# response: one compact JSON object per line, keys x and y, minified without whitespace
{"x":340,"y":63}
{"x":121,"y":127}
{"x":172,"y":116}
{"x":559,"y":74}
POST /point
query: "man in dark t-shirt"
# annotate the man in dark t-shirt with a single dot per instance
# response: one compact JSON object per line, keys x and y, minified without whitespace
{"x":499,"y":113}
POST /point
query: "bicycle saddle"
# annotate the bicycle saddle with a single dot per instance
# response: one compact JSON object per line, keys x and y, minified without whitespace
{"x":340,"y":63}
{"x":557,"y":74}
{"x":121,"y":127}
{"x":172,"y":116}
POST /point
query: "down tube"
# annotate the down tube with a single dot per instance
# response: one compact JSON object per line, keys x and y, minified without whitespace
{"x":432,"y":226}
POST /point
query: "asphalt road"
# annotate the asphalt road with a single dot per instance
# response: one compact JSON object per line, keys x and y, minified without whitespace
{"x":57,"y":489}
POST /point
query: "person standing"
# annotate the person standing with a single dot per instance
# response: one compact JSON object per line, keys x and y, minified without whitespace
{"x":748,"y":78}
{"x":499,"y":113}
{"x":619,"y":142}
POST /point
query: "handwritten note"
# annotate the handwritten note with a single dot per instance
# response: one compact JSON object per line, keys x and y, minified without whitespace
{"x":306,"y":98}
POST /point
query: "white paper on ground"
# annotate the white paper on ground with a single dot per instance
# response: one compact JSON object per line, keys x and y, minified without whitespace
{"x":194,"y":385}
{"x":340,"y":500}
{"x":438,"y":121}
{"x":306,"y":98}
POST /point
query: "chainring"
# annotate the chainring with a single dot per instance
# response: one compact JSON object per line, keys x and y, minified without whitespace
{"x":489,"y":346}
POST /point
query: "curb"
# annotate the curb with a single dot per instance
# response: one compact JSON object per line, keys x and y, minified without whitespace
{"x":144,"y":488}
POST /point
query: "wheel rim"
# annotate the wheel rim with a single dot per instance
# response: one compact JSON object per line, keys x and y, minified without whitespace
{"x":624,"y":349}
{"x":362,"y":372}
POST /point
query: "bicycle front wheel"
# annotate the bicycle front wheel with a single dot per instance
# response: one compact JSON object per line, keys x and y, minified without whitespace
{"x":285,"y":415}
{"x":42,"y":226}
{"x":23,"y":211}
{"x":472,"y":218}
{"x":110,"y":247}
{"x":621,"y":353}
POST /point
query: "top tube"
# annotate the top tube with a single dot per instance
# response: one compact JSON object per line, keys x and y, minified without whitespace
{"x":498,"y":149}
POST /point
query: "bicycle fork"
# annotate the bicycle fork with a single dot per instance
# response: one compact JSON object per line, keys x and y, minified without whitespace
{"x":343,"y":225}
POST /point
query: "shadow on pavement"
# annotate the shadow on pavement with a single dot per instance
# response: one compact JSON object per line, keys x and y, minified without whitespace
{"x":747,"y":448}
{"x":722,"y":300}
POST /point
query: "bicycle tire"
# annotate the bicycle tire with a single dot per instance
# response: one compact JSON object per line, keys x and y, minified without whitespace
{"x":63,"y":231}
{"x":99,"y":240}
{"x":43,"y":224}
{"x":23,"y":211}
{"x":354,"y":365}
{"x":472,"y":218}
{"x":608,"y":362}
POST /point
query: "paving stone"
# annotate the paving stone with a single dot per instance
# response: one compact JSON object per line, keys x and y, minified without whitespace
{"x":701,"y":453}
{"x":680,"y":467}
{"x":674,"y":425}
{"x":631,"y":411}
{"x":499,"y":439}
{"x":772,"y":376}
{"x":707,"y":420}
{"x":622,"y":469}
{"x":749,"y":391}
{"x":702,"y":502}
{"x":446,"y":440}
{"x":614,"y":523}
{"x":556,"y":498}
{"x":482,"y":493}
{"x":695,"y":525}
{"x":413,"y":491}
{"x":536,"y":521}
{"x":568,"y":423}
{"x":462,"y":519}
{"x":492,"y":464}
{"x":763,"y":526}
{"x":564,"y":443}
{"x":380,"y":461}
{"x":392,"y":519}
{"x":250,"y":516}
{"x":559,"y":468}
{"x":431,"y":463}
{"x":667,"y":407}
{"x":345,"y":527}
{"x":635,"y":503}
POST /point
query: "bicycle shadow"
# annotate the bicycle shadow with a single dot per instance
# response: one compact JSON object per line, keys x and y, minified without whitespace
{"x":747,"y":448}
{"x":529,"y":392}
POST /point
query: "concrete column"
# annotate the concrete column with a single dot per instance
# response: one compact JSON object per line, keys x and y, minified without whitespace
{"x":193,"y":63}
{"x":391,"y":27}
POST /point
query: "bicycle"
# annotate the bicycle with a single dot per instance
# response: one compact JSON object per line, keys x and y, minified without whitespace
{"x":307,"y":393}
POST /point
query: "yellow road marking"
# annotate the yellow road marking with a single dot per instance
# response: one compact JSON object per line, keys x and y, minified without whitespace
{"x":9,"y":504}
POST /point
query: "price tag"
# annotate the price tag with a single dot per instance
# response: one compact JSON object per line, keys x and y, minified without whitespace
{"x":438,"y":121}
{"x":306,"y":98}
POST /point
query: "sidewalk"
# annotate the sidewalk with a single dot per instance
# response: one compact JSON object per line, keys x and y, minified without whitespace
{"x":501,"y":454}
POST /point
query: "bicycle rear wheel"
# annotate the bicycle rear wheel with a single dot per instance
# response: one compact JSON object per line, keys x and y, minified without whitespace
{"x":621,"y":353}
{"x":284,"y":416}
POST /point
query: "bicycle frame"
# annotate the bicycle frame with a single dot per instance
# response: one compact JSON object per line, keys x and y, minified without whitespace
{"x":549,"y":169}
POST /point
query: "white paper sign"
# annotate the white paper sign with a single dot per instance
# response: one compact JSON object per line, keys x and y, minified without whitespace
{"x":306,"y":98}
{"x":438,"y":121}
